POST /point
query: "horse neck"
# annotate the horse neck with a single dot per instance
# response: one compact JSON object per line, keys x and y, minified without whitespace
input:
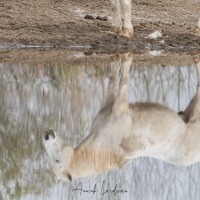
{"x":91,"y":160}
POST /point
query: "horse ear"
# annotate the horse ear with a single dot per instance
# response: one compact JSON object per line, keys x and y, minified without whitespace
{"x":66,"y":176}
{"x":57,"y":179}
{"x":69,"y":176}
{"x":122,"y":163}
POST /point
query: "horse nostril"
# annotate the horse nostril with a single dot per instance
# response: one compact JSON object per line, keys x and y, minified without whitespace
{"x":46,"y":136}
{"x":51,"y":133}
{"x":48,"y":133}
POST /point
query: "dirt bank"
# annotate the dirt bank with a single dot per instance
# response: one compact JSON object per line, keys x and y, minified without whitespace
{"x":67,"y":57}
{"x":62,"y":23}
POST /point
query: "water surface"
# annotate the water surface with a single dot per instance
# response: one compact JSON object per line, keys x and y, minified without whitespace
{"x":65,"y":97}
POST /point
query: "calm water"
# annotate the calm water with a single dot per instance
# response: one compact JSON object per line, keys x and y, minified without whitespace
{"x":66,"y":97}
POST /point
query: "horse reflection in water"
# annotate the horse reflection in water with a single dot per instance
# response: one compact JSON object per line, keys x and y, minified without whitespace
{"x":121,"y":132}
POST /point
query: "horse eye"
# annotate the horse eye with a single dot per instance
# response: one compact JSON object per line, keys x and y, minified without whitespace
{"x":57,"y":161}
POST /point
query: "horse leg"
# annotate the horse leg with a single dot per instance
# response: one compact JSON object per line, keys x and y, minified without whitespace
{"x":116,"y":17}
{"x":127,"y":30}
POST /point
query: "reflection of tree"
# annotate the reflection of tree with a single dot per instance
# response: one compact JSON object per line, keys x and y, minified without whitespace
{"x":162,"y":85}
{"x":66,"y":98}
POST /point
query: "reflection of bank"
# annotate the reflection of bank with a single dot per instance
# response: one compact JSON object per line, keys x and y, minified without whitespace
{"x":121,"y":131}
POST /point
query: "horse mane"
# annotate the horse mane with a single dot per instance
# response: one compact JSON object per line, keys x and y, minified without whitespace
{"x":87,"y":161}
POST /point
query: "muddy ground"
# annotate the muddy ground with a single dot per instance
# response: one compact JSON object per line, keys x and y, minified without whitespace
{"x":62,"y":23}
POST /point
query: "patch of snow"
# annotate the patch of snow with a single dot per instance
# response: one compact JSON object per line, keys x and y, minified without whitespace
{"x":162,"y":42}
{"x":79,"y":55}
{"x":80,"y":12}
{"x":155,"y":53}
{"x":155,"y":35}
{"x":109,"y":17}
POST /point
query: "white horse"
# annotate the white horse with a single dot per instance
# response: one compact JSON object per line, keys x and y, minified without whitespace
{"x":123,"y":8}
{"x":122,"y":131}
